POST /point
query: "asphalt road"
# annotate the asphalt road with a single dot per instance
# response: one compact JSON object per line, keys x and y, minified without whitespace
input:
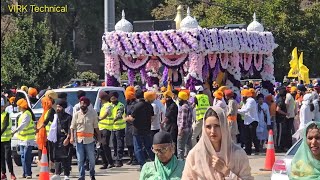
{"x":131,"y":172}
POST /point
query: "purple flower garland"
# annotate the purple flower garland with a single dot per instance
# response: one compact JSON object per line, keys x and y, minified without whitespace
{"x":165,"y":76}
{"x":131,"y":77}
{"x":112,"y":81}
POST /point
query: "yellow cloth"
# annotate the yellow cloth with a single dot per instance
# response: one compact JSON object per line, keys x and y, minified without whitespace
{"x":163,"y":89}
{"x":12,"y":99}
{"x":293,"y":89}
{"x":223,"y":88}
{"x":303,"y":70}
{"x":183,"y":95}
{"x":24,"y":88}
{"x":51,"y":94}
{"x":22,"y":103}
{"x":168,"y":94}
{"x":294,"y":71}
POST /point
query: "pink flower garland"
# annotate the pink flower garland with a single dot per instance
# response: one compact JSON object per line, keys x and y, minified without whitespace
{"x":212,"y":60}
{"x":128,"y":61}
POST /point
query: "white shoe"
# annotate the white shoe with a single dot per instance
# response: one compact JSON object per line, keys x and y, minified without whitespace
{"x":66,"y":178}
{"x":55,"y":177}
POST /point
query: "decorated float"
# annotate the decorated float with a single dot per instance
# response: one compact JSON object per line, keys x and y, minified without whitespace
{"x":190,"y":55}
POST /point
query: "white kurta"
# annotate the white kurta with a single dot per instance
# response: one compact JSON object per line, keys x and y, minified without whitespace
{"x":262,"y":130}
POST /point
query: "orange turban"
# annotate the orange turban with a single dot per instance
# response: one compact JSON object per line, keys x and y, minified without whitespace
{"x":129,"y":95}
{"x":246,"y":93}
{"x":183,"y":95}
{"x":269,"y":98}
{"x":218,"y":94}
{"x":22,"y":103}
{"x":228,"y":93}
{"x":149,"y":96}
{"x":32,"y":92}
{"x":293,"y":89}
{"x":186,"y":91}
{"x":12,"y":99}
{"x":130,"y":88}
{"x":223,"y":88}
{"x":168,"y":94}
{"x":253,"y":92}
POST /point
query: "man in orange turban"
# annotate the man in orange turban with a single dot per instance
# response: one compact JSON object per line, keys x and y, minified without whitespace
{"x":32,"y":92}
{"x":253,"y":92}
{"x":250,"y":112}
{"x":219,"y":100}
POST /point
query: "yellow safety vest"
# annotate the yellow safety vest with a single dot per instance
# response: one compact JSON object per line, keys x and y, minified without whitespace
{"x":202,"y":106}
{"x":106,"y":123}
{"x":28,"y":132}
{"x":49,"y":123}
{"x":120,"y":123}
{"x":6,"y":136}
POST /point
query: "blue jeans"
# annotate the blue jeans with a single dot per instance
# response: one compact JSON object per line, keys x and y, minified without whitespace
{"x":138,"y":142}
{"x":87,"y":149}
{"x":184,"y":143}
{"x":26,"y":159}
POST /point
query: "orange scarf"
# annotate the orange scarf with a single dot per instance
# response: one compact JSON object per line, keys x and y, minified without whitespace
{"x":41,"y":136}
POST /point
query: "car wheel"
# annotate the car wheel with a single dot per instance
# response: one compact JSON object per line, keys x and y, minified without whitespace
{"x":17,"y":159}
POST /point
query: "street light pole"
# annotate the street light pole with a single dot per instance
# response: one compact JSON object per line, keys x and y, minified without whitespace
{"x":109,"y":21}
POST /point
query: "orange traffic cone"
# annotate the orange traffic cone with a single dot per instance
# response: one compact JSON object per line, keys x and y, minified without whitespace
{"x":270,"y":155}
{"x":44,"y":169}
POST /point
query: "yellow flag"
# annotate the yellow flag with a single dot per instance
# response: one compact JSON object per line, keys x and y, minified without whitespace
{"x":303,"y":70}
{"x":293,"y":72}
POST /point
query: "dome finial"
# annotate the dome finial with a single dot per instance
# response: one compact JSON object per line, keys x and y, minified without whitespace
{"x":188,"y":11}
{"x":123,"y":14}
{"x":254,"y":17}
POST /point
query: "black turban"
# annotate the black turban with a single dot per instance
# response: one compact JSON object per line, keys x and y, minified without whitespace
{"x":62,"y":103}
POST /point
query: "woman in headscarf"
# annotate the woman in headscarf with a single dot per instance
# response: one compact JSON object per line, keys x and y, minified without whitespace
{"x":166,"y":165}
{"x":216,"y":157}
{"x":305,"y":164}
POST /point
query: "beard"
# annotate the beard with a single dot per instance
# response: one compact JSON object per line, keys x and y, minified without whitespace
{"x":60,"y":114}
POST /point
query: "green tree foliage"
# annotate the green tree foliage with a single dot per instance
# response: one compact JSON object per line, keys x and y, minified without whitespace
{"x":30,"y":57}
{"x":88,"y":75}
{"x":292,"y":24}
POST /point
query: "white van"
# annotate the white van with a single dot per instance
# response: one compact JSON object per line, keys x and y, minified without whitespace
{"x":91,"y":92}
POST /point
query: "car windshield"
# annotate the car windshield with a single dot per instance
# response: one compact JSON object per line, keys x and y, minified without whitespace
{"x":72,"y":98}
{"x":295,"y":148}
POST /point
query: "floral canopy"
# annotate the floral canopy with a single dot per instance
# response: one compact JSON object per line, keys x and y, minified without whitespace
{"x":197,"y":53}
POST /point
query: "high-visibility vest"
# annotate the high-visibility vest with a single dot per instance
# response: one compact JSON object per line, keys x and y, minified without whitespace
{"x":106,"y":123}
{"x":120,"y":123}
{"x":28,"y":132}
{"x":6,"y":136}
{"x":49,"y":123}
{"x":202,"y":106}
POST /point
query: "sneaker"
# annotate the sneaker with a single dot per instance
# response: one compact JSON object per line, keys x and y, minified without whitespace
{"x":13,"y":177}
{"x":55,"y":177}
{"x":111,"y":166}
{"x":29,"y":177}
{"x":119,"y":164}
{"x":129,"y":162}
{"x":66,"y":178}
{"x":22,"y":177}
{"x":3,"y":177}
{"x":104,"y":167}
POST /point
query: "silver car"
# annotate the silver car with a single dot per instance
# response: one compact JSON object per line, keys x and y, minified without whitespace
{"x":282,"y":166}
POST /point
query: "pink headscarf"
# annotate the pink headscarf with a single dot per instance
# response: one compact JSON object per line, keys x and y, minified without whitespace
{"x":198,"y":163}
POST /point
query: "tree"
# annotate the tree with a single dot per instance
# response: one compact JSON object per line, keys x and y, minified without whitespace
{"x":30,"y":57}
{"x":88,"y":75}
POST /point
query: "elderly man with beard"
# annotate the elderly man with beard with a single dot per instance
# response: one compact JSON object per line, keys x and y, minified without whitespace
{"x":61,"y":148}
{"x":84,"y":124}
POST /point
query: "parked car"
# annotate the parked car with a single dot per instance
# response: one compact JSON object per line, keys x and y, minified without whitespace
{"x":282,"y":166}
{"x":91,"y":92}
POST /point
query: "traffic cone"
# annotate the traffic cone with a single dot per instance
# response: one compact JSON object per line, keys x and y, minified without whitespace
{"x":44,"y":169}
{"x":270,"y":155}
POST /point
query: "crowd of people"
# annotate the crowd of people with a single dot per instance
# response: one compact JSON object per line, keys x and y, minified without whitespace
{"x":171,"y":133}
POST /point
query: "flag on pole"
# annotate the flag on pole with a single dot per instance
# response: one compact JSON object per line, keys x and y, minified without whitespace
{"x":303,"y":70}
{"x":294,"y":65}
